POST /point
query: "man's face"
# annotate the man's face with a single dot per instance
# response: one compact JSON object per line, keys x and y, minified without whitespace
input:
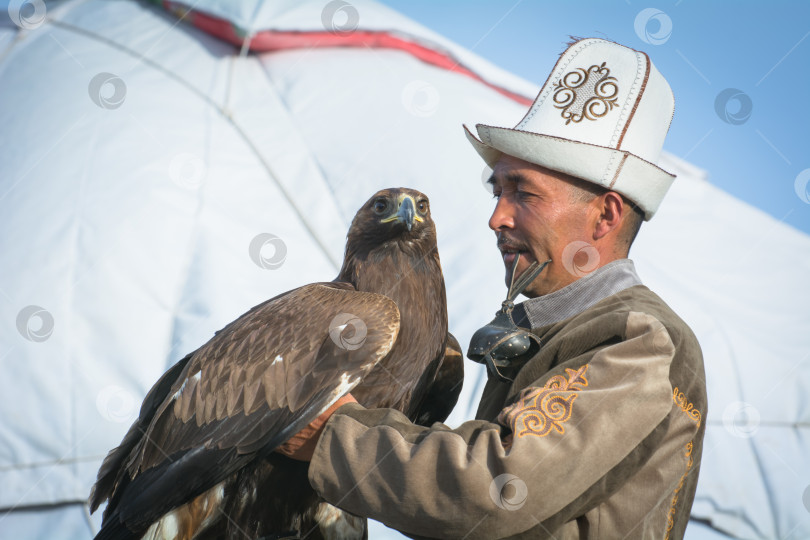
{"x":538,"y":215}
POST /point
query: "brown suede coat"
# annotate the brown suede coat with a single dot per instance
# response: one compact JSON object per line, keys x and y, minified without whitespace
{"x":599,"y":436}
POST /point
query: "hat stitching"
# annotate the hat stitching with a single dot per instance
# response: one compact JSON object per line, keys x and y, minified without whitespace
{"x":618,"y":170}
{"x":634,"y":94}
{"x":610,"y":167}
{"x":633,"y":87}
{"x":624,"y":152}
{"x":627,"y":156}
{"x":638,"y":99}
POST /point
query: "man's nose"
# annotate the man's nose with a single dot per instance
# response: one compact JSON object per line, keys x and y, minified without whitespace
{"x":503,"y":215}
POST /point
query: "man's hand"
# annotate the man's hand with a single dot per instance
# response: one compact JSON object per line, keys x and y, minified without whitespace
{"x":301,"y":446}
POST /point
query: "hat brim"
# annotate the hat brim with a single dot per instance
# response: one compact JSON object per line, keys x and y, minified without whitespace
{"x":642,"y":182}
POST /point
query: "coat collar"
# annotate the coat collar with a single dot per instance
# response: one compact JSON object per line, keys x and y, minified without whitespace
{"x":575,"y":298}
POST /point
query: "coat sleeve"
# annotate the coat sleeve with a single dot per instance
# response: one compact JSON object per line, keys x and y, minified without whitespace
{"x":557,"y":449}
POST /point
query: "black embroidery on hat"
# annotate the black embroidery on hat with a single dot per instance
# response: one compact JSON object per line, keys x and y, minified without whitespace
{"x":582,"y":93}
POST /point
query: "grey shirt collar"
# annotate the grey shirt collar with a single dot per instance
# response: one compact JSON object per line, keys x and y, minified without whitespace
{"x":575,"y":298}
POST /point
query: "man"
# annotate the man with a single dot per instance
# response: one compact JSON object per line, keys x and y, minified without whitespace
{"x":597,"y":434}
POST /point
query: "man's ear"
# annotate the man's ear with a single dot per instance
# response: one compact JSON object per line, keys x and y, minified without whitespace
{"x":611,"y":208}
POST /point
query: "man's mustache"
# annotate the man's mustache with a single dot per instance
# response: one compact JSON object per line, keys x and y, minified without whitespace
{"x":506,"y":241}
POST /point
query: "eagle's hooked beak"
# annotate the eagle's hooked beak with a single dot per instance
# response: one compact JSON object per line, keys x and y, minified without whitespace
{"x":406,"y":212}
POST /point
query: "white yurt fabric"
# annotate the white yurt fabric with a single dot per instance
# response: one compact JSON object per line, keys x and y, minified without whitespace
{"x":156,"y":182}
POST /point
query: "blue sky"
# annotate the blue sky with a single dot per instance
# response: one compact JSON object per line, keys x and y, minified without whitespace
{"x":754,"y":139}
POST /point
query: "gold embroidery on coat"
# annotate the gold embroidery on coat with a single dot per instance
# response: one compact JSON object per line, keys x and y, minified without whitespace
{"x":538,"y":411}
{"x":586,"y":93}
{"x":688,"y":408}
{"x":680,"y":400}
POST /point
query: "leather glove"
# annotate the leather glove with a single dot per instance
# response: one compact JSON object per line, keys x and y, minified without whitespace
{"x":301,"y":446}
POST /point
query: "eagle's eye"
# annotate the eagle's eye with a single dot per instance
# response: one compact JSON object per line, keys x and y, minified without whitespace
{"x":422,"y":206}
{"x":380,"y":205}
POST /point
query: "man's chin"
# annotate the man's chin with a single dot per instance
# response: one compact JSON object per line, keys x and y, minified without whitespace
{"x":526,"y":259}
{"x":530,"y":291}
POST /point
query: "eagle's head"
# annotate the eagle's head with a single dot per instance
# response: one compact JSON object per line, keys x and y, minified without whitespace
{"x":392,"y":219}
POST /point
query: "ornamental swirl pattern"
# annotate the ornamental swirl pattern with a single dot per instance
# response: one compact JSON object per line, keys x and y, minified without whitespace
{"x":538,"y":411}
{"x":681,"y":401}
{"x":586,"y":93}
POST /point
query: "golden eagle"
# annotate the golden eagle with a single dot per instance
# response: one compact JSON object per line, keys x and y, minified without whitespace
{"x":199,"y":461}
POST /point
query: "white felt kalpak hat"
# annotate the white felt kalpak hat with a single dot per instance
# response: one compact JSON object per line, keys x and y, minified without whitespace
{"x":601,"y":116}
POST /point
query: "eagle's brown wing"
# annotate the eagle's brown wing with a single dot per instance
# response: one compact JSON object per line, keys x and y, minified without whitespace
{"x":257,"y":382}
{"x":442,"y":394}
